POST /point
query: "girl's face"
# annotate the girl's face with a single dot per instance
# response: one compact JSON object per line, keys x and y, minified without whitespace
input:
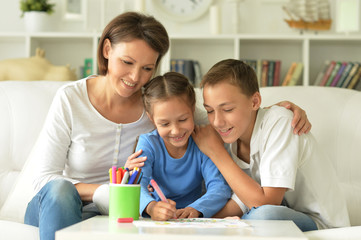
{"x":130,"y":65}
{"x":230,"y":112}
{"x":173,"y":119}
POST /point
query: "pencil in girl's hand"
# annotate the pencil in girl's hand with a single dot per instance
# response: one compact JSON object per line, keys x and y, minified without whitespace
{"x":157,"y":189}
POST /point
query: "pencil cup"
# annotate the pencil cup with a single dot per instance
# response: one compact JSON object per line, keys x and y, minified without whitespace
{"x":124,"y":201}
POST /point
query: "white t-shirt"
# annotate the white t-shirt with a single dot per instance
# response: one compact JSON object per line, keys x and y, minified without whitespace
{"x":279,"y":158}
{"x":77,"y":143}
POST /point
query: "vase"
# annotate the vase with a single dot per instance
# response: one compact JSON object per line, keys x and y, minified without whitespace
{"x":36,"y":21}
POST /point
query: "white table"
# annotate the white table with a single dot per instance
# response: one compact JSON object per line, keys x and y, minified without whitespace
{"x":101,"y":228}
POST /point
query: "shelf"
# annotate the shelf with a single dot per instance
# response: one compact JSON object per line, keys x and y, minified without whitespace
{"x":73,"y":47}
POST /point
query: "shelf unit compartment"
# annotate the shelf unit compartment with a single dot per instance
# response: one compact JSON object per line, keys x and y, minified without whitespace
{"x":285,"y":50}
{"x":65,"y":50}
{"x":12,"y":47}
{"x":337,"y":50}
{"x":207,"y":51}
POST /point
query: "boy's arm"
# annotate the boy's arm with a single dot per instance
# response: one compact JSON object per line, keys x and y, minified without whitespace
{"x":246,"y":188}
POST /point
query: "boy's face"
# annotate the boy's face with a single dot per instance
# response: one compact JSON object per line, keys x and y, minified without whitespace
{"x":230,"y":112}
{"x":174,"y":121}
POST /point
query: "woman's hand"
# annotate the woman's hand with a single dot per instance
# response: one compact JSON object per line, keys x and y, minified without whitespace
{"x":300,"y":122}
{"x":187,"y":212}
{"x":133,"y":160}
{"x":207,"y":139}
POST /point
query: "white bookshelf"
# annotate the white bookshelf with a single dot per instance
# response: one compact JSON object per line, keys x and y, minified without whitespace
{"x":312,"y":50}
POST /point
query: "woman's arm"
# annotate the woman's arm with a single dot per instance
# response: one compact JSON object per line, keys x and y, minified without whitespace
{"x":300,"y":122}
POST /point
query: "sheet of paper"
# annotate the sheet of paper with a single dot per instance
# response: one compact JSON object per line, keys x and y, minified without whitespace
{"x":193,"y":222}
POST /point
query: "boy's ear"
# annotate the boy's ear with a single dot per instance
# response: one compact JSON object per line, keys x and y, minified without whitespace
{"x":106,"y":48}
{"x":256,"y":100}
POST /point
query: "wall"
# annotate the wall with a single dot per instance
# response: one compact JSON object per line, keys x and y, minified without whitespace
{"x":256,"y":16}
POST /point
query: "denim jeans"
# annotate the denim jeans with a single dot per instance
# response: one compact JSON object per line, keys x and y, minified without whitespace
{"x":57,"y":205}
{"x":273,"y":212}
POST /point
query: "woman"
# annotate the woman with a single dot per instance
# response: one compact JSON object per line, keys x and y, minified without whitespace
{"x":93,"y":123}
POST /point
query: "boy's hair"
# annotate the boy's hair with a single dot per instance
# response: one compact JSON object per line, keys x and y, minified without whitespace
{"x":171,"y":84}
{"x":234,"y":72}
{"x":129,"y":26}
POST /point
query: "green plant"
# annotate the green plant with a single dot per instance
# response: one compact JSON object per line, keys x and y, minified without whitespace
{"x":36,"y":5}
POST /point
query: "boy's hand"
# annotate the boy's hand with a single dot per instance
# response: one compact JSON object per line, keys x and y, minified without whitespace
{"x":161,"y":211}
{"x":207,"y":139}
{"x":300,"y":122}
{"x":187,"y":212}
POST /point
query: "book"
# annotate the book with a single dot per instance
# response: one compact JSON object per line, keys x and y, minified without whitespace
{"x":270,"y":72}
{"x":321,"y":73}
{"x":327,"y":73}
{"x":88,"y":67}
{"x":185,"y":67}
{"x":288,"y":76}
{"x":259,"y":71}
{"x":197,"y":73}
{"x":350,"y":75}
{"x":355,"y":79}
{"x":338,"y":74}
{"x":264,"y":73}
{"x":345,"y":74}
{"x":333,"y":73}
{"x":277,"y":73}
{"x":296,"y":75}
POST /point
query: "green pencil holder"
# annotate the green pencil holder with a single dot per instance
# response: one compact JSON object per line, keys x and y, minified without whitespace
{"x":124,"y":201}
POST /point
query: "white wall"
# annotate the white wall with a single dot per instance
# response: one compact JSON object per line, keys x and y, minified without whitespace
{"x":256,"y":16}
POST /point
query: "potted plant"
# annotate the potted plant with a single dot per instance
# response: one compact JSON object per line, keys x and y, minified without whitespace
{"x":36,"y":14}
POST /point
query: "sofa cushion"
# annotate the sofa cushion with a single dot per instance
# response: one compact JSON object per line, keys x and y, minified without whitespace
{"x":24,"y":106}
{"x":335,"y":115}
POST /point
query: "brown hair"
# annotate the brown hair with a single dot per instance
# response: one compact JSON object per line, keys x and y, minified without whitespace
{"x":171,"y":84}
{"x":129,"y":26}
{"x":236,"y":73}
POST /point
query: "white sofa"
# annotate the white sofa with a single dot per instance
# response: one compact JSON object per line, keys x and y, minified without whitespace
{"x":335,"y":115}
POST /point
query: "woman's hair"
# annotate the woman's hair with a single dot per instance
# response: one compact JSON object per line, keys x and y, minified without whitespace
{"x":129,"y":26}
{"x":171,"y":84}
{"x":234,"y":72}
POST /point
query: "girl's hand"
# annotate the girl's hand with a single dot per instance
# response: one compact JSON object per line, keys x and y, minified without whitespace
{"x":300,"y":122}
{"x":161,"y":211}
{"x":187,"y":212}
{"x":133,"y":160}
{"x":207,"y":139}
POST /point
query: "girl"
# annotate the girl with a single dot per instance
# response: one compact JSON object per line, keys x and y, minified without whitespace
{"x":173,"y":159}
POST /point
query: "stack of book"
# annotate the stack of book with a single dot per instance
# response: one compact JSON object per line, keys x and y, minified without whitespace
{"x":190,"y":68}
{"x":294,"y":74}
{"x":267,"y":71}
{"x":340,"y":74}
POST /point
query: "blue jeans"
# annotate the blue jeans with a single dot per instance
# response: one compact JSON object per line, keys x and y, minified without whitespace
{"x":273,"y":212}
{"x":57,"y":205}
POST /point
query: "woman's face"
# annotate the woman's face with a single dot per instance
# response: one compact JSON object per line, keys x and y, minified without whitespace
{"x":130,"y":65}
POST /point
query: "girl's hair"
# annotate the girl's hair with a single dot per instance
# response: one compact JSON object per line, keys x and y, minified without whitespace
{"x":171,"y":84}
{"x":129,"y":26}
{"x":234,"y":72}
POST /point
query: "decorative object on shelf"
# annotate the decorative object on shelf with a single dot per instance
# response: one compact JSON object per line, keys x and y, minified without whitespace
{"x":234,"y":4}
{"x":214,"y":19}
{"x":36,"y":14}
{"x":347,"y":16}
{"x":74,"y":10}
{"x":308,"y":14}
{"x":184,"y":10}
{"x":139,"y":6}
{"x":34,"y":68}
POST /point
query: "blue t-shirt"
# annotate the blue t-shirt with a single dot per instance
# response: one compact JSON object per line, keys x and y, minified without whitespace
{"x":181,"y":179}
